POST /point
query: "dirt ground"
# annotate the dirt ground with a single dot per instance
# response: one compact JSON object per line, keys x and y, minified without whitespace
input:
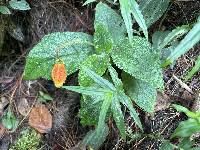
{"x":48,"y":16}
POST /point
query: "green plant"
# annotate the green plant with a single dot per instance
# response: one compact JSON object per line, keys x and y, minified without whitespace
{"x":93,"y":55}
{"x":9,"y":121}
{"x":29,"y":140}
{"x":145,"y":13}
{"x":7,"y":24}
{"x":14,"y":4}
{"x":185,"y":130}
{"x":103,"y":92}
{"x":194,"y":69}
{"x":190,"y":40}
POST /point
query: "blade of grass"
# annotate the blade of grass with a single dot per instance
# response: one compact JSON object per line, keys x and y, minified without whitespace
{"x":194,"y":69}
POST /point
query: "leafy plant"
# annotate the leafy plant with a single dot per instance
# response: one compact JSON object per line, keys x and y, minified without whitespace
{"x":14,"y":4}
{"x":194,"y":69}
{"x":95,"y":55}
{"x":9,"y":121}
{"x":190,"y":40}
{"x":145,"y":13}
{"x":43,"y":97}
{"x":185,"y":130}
{"x":29,"y":140}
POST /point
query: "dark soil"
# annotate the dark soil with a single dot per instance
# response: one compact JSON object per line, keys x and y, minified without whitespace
{"x":47,"y":16}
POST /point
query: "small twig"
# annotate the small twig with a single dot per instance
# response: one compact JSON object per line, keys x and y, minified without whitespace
{"x":182,"y":84}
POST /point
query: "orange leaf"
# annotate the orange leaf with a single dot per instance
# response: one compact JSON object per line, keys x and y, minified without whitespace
{"x":40,"y":119}
{"x":59,"y":74}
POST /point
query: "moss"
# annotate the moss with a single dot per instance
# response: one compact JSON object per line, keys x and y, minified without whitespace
{"x":29,"y":140}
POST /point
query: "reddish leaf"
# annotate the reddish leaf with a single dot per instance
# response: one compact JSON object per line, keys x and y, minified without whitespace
{"x":40,"y":119}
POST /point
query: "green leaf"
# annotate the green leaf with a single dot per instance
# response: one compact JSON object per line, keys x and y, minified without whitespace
{"x":186,"y":143}
{"x":4,"y":10}
{"x":126,"y":14}
{"x":174,"y":34}
{"x":91,"y":91}
{"x":167,"y":145}
{"x":102,"y":116}
{"x":19,"y":4}
{"x":9,"y":121}
{"x":99,"y":80}
{"x":114,"y":75}
{"x":72,"y":47}
{"x":138,"y":16}
{"x":94,"y":141}
{"x":139,"y":60}
{"x":89,"y":112}
{"x":97,"y":63}
{"x":15,"y":30}
{"x":195,"y":148}
{"x":187,"y":128}
{"x":126,"y":101}
{"x":111,"y":21}
{"x":118,"y":116}
{"x":195,"y":69}
{"x":88,"y":2}
{"x":102,"y":39}
{"x":141,"y":92}
{"x":43,"y":97}
{"x":190,"y":40}
{"x":158,"y":37}
{"x":186,"y":111}
{"x":152,"y":10}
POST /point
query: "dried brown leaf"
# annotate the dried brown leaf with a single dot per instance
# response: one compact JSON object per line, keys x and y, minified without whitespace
{"x":23,"y":107}
{"x":2,"y":130}
{"x":40,"y":119}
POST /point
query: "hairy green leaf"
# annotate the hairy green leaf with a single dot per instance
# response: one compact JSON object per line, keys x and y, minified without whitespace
{"x":92,"y":91}
{"x":190,"y":40}
{"x":102,"y":39}
{"x":114,"y":75}
{"x":89,"y":112}
{"x":126,"y":101}
{"x":94,"y":141}
{"x":19,"y":4}
{"x":139,"y":60}
{"x":99,"y":80}
{"x":97,"y":63}
{"x":118,"y":116}
{"x":71,"y":47}
{"x":138,"y":16}
{"x":194,"y":69}
{"x":102,"y":116}
{"x":153,"y":10}
{"x":126,"y":14}
{"x":4,"y":10}
{"x":111,"y":21}
{"x":141,"y":92}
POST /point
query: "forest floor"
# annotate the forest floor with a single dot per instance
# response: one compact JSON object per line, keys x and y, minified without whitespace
{"x":47,"y":16}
